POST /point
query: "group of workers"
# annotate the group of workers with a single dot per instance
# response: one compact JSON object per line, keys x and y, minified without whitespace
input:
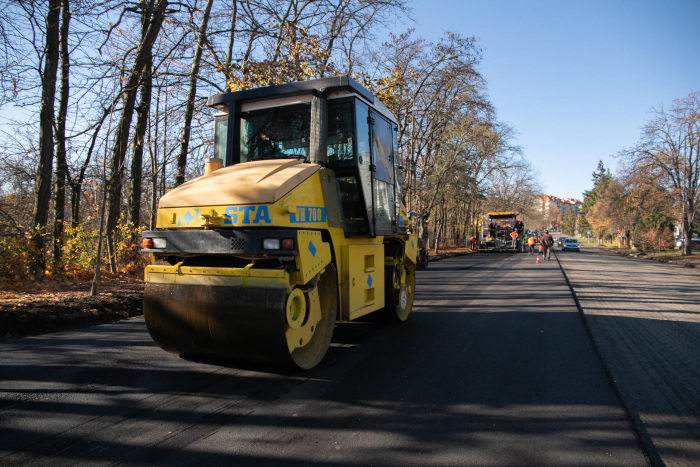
{"x":546,"y":242}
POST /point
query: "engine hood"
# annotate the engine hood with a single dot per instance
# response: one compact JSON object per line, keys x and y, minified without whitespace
{"x":258,"y":182}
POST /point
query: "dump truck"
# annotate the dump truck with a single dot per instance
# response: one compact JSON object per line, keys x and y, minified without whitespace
{"x":502,"y":232}
{"x":296,"y":225}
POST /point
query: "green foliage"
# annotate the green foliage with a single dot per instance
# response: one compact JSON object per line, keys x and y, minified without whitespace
{"x":301,"y":57}
{"x":79,"y":252}
{"x":653,"y":232}
{"x":79,"y":249}
{"x":568,"y":224}
{"x":127,"y":251}
{"x":14,"y":256}
{"x":601,"y":178}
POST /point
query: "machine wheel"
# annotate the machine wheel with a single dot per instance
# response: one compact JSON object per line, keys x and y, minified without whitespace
{"x":310,"y":354}
{"x":263,"y":325}
{"x":423,"y":259}
{"x":399,"y":287}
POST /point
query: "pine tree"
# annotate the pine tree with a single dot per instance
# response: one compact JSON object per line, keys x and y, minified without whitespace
{"x":568,"y":224}
{"x":600,"y":180}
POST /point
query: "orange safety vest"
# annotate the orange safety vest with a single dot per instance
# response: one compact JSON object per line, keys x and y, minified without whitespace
{"x":531,"y":241}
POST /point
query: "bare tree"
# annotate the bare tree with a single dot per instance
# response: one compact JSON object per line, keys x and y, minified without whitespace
{"x":142,"y":114}
{"x":129,"y":93}
{"x":669,"y":148}
{"x":48,"y":94}
{"x":191,"y":95}
{"x":61,"y":165}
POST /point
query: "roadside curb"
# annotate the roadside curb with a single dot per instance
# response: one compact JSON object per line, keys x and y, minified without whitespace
{"x":643,"y":437}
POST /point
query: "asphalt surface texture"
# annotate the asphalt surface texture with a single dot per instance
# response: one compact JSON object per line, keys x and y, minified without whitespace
{"x":495,"y":367}
{"x":644,"y":318}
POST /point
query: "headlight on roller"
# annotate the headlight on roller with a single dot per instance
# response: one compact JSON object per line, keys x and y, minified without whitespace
{"x":159,"y":243}
{"x":271,"y":243}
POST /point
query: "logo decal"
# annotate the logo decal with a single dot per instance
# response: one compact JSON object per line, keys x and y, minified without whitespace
{"x":307,"y":214}
{"x":187,"y":218}
{"x":369,"y":280}
{"x":413,"y":247}
{"x":246,"y":215}
{"x":312,"y":249}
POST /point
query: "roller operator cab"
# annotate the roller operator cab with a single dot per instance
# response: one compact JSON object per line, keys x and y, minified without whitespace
{"x":296,"y":224}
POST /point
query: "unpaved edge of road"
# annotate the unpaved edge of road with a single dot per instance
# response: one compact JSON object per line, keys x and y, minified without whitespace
{"x":48,"y":317}
{"x":635,"y":421}
{"x":673,"y":260}
{"x":450,"y":254}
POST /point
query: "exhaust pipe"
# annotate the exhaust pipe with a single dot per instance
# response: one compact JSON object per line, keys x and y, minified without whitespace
{"x":212,"y":164}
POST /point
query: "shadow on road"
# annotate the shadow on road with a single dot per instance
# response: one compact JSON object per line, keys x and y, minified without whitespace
{"x":507,"y":376}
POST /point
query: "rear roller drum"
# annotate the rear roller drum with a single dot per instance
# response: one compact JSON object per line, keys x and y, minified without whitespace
{"x":400,"y":282}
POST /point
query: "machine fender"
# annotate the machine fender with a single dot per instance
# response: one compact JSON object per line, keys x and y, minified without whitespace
{"x":314,"y":255}
{"x":411,"y":248}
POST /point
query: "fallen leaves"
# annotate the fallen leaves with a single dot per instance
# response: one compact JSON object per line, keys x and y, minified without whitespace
{"x":55,"y":290}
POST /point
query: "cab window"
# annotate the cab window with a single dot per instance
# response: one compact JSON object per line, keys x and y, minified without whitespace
{"x":340,"y":132}
{"x":220,"y":136}
{"x":276,"y":133}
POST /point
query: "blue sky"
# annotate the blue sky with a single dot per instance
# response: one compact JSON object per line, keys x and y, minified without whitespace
{"x":575,"y":78}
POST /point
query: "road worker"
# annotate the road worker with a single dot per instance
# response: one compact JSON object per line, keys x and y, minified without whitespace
{"x":531,"y":243}
{"x":547,"y":243}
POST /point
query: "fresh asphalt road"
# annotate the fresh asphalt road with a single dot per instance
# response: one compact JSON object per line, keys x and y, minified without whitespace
{"x":495,"y":367}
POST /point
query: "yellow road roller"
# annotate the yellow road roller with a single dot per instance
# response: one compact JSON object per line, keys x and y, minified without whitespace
{"x":296,"y":225}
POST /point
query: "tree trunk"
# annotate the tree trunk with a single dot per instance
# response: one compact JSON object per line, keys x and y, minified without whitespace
{"x":142,"y":113}
{"x":100,"y":237}
{"x":153,"y":152}
{"x":687,"y":233}
{"x":42,"y":187}
{"x":121,"y":143}
{"x":191,"y":96}
{"x":229,"y":55}
{"x":61,"y":165}
{"x":77,"y":184}
{"x":439,"y":227}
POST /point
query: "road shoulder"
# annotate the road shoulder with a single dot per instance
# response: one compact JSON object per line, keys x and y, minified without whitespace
{"x":644,"y":320}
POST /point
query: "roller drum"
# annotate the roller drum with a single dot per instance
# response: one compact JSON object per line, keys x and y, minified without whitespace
{"x":238,"y":322}
{"x":243,"y":323}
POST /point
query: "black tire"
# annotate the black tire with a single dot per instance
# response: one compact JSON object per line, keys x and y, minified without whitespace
{"x":398,"y":298}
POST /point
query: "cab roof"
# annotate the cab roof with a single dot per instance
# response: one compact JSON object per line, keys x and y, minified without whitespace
{"x":223,"y":100}
{"x":501,"y":214}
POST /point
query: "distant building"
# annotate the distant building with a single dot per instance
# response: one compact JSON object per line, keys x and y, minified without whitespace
{"x":545,"y":201}
{"x":574,"y":204}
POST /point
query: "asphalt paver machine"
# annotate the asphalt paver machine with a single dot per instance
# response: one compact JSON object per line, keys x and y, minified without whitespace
{"x":502,"y":232}
{"x":296,"y":225}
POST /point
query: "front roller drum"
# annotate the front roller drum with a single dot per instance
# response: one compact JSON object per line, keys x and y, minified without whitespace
{"x":259,"y":325}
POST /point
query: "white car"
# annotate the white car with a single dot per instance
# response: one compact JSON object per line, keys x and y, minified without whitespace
{"x":570,"y":244}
